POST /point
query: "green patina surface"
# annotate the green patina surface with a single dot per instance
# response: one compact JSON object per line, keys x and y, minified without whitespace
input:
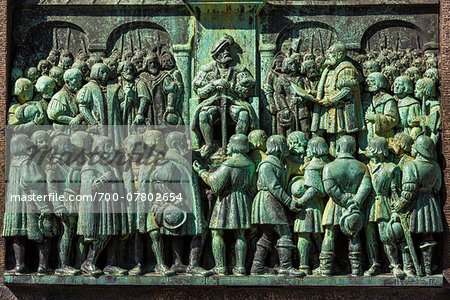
{"x":311,"y":127}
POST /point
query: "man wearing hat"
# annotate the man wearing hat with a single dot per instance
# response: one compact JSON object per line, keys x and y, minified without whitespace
{"x":162,"y":91}
{"x":183,"y":217}
{"x":223,"y":88}
{"x":347,"y":182}
{"x":386,"y":185}
{"x":339,"y":109}
{"x":421,"y":182}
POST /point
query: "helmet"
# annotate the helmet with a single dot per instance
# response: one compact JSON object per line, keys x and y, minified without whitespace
{"x":425,"y":146}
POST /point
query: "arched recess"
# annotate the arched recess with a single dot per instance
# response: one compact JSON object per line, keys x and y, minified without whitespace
{"x":393,"y":34}
{"x":314,"y":37}
{"x":134,"y":36}
{"x":41,"y":38}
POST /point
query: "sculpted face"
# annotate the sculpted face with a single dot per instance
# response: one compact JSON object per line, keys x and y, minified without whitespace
{"x":23,"y":90}
{"x":65,"y":63}
{"x":33,"y":74}
{"x":181,"y":147}
{"x":103,"y":74}
{"x":153,"y":67}
{"x":167,"y":63}
{"x":310,"y":69}
{"x":53,"y":59}
{"x":372,"y":84}
{"x":296,"y":147}
{"x":42,"y":143}
{"x":45,"y":68}
{"x":138,"y":62}
{"x":108,"y":153}
{"x":278,"y":63}
{"x":332,"y":57}
{"x":113,"y":65}
{"x":400,"y":86}
{"x":74,"y":81}
{"x":136,"y":151}
{"x":418,"y":92}
{"x":224,"y":56}
{"x":128,"y":72}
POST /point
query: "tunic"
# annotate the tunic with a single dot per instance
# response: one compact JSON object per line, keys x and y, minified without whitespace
{"x":309,"y":218}
{"x":385,"y":179}
{"x":346,"y":181}
{"x":174,"y":175}
{"x":22,"y":217}
{"x":229,"y":182}
{"x":134,"y":100}
{"x":269,"y":205}
{"x":292,"y":112}
{"x":386,"y":116}
{"x":346,"y":116}
{"x":103,"y":105}
{"x":409,"y":109}
{"x":420,"y":183}
{"x":63,"y":106}
{"x":102,"y":217}
{"x":58,"y":181}
{"x":162,"y":90}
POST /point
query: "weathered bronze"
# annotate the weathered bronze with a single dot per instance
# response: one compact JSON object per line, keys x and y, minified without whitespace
{"x":249,"y":134}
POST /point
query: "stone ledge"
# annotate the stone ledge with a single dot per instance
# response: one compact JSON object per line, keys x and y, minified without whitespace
{"x":265,"y":280}
{"x":272,"y":2}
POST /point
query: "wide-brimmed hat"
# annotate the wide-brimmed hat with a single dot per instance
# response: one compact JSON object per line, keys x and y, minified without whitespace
{"x":48,"y":225}
{"x":226,"y":39}
{"x":351,"y":221}
{"x":170,"y":118}
{"x":394,"y":230}
{"x":173,"y":217}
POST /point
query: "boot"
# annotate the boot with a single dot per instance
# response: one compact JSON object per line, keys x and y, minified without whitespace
{"x":19,"y":254}
{"x":219,"y":271}
{"x":303,"y":246}
{"x":158,"y":250}
{"x":375,"y":268}
{"x":408,"y":266}
{"x":286,"y":268}
{"x":114,"y":270}
{"x":88,"y":266}
{"x":198,"y":271}
{"x":44,"y":251}
{"x":426,"y":258}
{"x":392,"y":254}
{"x":136,"y":271}
{"x":194,"y":259}
{"x":355,"y":262}
{"x":239,"y":271}
{"x":164,"y":270}
{"x":240,"y":252}
{"x":398,"y":272}
{"x":326,"y":263}
{"x":67,"y":270}
{"x":262,"y":248}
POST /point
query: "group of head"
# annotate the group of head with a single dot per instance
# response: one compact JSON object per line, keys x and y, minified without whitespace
{"x":60,"y":67}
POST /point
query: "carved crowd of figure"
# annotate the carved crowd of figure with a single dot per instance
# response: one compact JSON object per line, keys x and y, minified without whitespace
{"x":352,"y":159}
